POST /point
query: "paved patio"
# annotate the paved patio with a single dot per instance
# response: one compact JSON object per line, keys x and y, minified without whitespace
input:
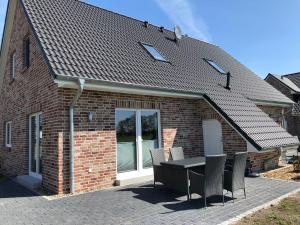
{"x":139,"y":204}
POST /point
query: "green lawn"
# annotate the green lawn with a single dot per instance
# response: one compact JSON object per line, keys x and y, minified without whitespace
{"x":287,"y":212}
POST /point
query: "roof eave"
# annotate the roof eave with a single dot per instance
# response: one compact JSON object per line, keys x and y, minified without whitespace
{"x":117,"y":87}
{"x":272,"y":103}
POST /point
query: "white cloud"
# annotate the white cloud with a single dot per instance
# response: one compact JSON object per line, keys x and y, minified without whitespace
{"x":180,"y":13}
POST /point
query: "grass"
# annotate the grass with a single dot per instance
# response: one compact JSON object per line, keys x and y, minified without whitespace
{"x":287,"y":212}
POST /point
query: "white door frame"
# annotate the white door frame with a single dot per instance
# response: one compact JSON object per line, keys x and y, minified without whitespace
{"x":37,"y":135}
{"x":140,"y":170}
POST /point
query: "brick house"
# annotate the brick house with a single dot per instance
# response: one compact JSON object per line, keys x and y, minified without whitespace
{"x":85,"y":93}
{"x":289,"y":85}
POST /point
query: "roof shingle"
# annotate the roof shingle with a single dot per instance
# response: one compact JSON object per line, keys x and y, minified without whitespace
{"x":84,"y":41}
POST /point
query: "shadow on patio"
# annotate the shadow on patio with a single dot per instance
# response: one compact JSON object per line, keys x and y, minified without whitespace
{"x":10,"y":189}
{"x":171,"y":199}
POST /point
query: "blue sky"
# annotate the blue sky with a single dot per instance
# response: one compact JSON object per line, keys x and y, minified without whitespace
{"x":263,"y":34}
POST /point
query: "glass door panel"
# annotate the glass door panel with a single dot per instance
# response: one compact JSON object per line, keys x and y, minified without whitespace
{"x":126,"y":141}
{"x":149,"y":133}
{"x":40,"y":143}
{"x":33,"y":146}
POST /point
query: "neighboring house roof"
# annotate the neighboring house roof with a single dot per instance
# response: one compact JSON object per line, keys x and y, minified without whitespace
{"x":83,"y":41}
{"x":292,"y":81}
{"x":295,"y":78}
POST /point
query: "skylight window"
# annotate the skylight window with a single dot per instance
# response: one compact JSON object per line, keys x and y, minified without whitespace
{"x":154,"y":53}
{"x":215,"y":66}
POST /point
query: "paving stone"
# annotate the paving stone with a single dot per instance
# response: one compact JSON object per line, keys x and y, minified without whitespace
{"x":135,"y":204}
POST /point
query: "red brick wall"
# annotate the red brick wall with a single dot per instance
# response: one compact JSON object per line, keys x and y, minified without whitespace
{"x":258,"y":160}
{"x":95,"y":142}
{"x":32,"y":91}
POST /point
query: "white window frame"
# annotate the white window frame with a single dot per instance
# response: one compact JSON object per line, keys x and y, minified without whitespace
{"x":8,"y":134}
{"x":13,"y":66}
{"x":140,"y":170}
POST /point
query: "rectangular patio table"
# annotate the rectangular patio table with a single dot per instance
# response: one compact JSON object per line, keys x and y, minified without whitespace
{"x":185,"y":164}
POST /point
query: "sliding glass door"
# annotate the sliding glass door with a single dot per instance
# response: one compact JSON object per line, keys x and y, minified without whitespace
{"x":137,"y":131}
{"x":126,"y":140}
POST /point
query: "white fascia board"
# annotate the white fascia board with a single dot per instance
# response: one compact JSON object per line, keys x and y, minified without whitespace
{"x":127,"y":90}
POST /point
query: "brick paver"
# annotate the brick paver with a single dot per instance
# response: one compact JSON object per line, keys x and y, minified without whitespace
{"x":136,"y":204}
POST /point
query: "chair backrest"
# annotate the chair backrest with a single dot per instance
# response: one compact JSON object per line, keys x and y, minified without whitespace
{"x":157,"y":156}
{"x":238,"y":168}
{"x":177,"y":153}
{"x":214,"y":172}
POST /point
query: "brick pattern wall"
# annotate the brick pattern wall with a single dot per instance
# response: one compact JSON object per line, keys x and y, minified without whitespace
{"x":32,"y":91}
{"x":95,"y":142}
{"x":264,"y":160}
{"x":180,"y":123}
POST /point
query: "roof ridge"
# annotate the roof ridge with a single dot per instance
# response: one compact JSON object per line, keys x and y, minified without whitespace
{"x":138,"y":20}
{"x":291,"y":74}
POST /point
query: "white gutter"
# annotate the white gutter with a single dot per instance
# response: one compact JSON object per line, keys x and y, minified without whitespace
{"x":269,"y":103}
{"x":80,"y":86}
{"x":127,"y":90}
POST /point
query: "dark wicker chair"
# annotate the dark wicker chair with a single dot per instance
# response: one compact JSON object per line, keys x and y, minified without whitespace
{"x":177,"y":153}
{"x":211,"y":182}
{"x":234,"y":179}
{"x":157,"y":156}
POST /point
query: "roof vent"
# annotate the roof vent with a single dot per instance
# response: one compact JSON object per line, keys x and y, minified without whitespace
{"x":177,"y":33}
{"x":146,"y":24}
{"x":228,"y":81}
{"x":161,"y":29}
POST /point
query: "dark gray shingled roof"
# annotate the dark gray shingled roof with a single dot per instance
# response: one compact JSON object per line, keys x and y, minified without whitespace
{"x":292,"y":81}
{"x":80,"y":40}
{"x":295,"y":78}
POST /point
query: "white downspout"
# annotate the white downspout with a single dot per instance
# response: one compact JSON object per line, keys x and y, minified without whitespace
{"x":72,"y":105}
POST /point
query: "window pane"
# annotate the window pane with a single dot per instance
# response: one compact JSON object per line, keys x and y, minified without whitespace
{"x":126,"y":141}
{"x":149,"y":136}
{"x":14,"y":66}
{"x":26,"y":52}
{"x":9,"y":133}
{"x":155,"y":54}
{"x":215,"y":66}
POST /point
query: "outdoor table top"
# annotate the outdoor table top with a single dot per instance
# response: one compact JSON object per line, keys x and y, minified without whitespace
{"x":185,"y":163}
